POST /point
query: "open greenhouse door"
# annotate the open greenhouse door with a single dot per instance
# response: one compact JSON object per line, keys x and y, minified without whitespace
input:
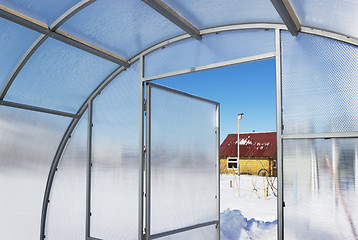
{"x":182,"y":165}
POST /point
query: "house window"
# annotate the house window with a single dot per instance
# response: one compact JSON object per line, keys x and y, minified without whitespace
{"x":232,"y":163}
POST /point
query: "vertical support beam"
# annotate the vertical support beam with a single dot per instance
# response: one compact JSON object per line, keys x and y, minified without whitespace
{"x":356,"y":165}
{"x":148,"y":163}
{"x":141,"y":150}
{"x":280,"y":199}
{"x":335,"y":157}
{"x":218,"y":170}
{"x":88,"y":172}
{"x":314,"y":170}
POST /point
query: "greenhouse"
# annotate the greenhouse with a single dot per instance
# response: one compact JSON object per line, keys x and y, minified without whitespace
{"x":91,"y":147}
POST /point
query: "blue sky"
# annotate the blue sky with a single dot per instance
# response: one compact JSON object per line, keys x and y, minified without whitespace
{"x":249,"y":88}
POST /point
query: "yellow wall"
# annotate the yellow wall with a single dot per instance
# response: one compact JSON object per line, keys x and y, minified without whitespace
{"x":250,"y":166}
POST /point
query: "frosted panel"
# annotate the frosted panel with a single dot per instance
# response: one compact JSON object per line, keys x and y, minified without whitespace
{"x":319,"y":85}
{"x":212,"y":48}
{"x":28,"y":143}
{"x":207,"y":233}
{"x":59,"y":76}
{"x":66,"y":215}
{"x":331,"y":15}
{"x":183,"y":161}
{"x":14,"y":42}
{"x":204,"y":14}
{"x":320,"y":188}
{"x":46,"y":11}
{"x":121,"y":26}
{"x":115,"y":170}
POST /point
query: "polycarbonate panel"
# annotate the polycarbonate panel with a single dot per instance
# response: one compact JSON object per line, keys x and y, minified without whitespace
{"x":204,"y":14}
{"x":121,"y":26}
{"x":59,"y":76}
{"x":319,"y":85}
{"x":331,"y":15}
{"x":320,"y":188}
{"x":46,"y":11}
{"x":183,"y":161}
{"x":28,"y":143}
{"x":207,"y":233}
{"x":14,"y":42}
{"x":116,"y":152}
{"x":66,"y":214}
{"x":213,"y":48}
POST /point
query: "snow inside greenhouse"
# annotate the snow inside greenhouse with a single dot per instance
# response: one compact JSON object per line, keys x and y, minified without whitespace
{"x":92,"y":148}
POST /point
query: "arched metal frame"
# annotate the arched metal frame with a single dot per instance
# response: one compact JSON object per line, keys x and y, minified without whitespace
{"x":140,"y":56}
{"x":76,"y":117}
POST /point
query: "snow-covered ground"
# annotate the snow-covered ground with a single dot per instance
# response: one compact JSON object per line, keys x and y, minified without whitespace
{"x":246,"y":213}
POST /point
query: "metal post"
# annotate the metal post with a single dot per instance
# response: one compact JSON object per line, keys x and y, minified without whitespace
{"x":218,"y":170}
{"x":356,"y":166}
{"x":88,"y":175}
{"x":335,"y":157}
{"x":239,"y":117}
{"x":238,"y":144}
{"x":148,"y":163}
{"x":279,"y":126}
{"x":141,"y":150}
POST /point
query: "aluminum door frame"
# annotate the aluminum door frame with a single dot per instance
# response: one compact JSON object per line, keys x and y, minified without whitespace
{"x":145,"y":209}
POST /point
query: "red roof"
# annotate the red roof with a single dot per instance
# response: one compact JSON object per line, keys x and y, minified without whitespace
{"x":251,"y":145}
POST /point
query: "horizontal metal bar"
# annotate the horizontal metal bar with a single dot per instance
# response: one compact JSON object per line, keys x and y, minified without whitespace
{"x":212,"y":66}
{"x":42,"y":28}
{"x":243,"y":26}
{"x":287,"y":14}
{"x":38,"y":109}
{"x":152,"y":85}
{"x":87,"y":47}
{"x":184,"y":229}
{"x":21,"y":19}
{"x":174,"y":17}
{"x":321,"y":135}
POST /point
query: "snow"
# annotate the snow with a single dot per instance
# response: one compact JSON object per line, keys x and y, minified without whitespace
{"x":250,"y":216}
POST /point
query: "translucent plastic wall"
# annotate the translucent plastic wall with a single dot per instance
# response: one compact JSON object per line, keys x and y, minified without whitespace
{"x":14,"y":41}
{"x":319,"y":85}
{"x":201,"y":12}
{"x":319,"y":96}
{"x":28,"y":143}
{"x":183,"y":163}
{"x":121,"y":26}
{"x":320,"y":182}
{"x":66,"y":216}
{"x":331,"y":15}
{"x":213,"y":48}
{"x":54,"y":77}
{"x":115,"y":169}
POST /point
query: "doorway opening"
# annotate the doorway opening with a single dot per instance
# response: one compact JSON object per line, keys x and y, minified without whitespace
{"x":248,"y":190}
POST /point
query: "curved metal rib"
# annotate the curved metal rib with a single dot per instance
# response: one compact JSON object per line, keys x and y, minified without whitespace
{"x":70,"y":13}
{"x":153,"y":48}
{"x":21,"y":64}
